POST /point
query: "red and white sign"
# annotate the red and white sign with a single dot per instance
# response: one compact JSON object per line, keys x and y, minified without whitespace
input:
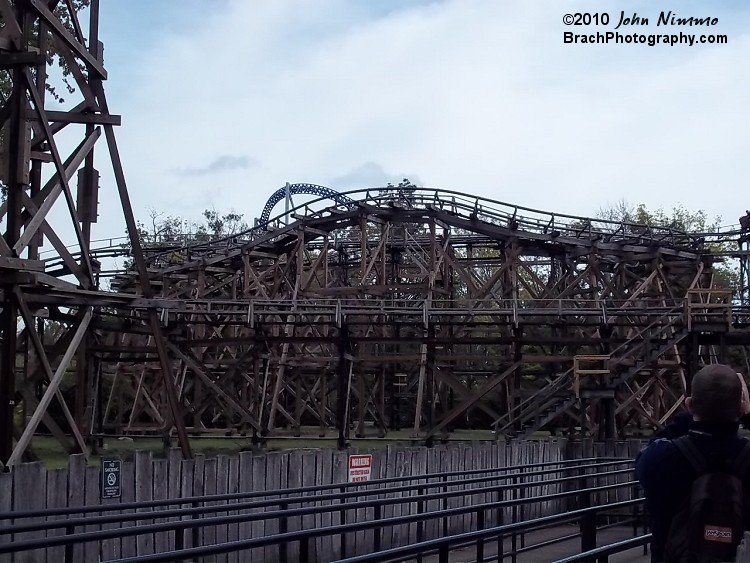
{"x":360,"y":468}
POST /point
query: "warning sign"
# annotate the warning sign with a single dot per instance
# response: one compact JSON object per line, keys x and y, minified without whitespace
{"x":360,"y":468}
{"x":111,"y":483}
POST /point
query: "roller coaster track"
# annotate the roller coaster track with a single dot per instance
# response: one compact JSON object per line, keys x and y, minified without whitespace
{"x":448,"y":205}
{"x":300,"y":189}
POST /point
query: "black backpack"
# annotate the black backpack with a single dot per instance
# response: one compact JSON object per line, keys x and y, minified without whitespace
{"x":710,"y":524}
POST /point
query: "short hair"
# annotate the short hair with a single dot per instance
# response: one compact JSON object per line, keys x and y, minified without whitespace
{"x":716,"y":393}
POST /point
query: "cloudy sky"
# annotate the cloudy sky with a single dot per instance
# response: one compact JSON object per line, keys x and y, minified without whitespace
{"x":223,"y":101}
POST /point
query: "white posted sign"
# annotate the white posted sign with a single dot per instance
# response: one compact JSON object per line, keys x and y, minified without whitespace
{"x":360,"y":468}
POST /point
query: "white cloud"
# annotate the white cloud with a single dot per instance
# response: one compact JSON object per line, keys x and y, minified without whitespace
{"x":472,"y":95}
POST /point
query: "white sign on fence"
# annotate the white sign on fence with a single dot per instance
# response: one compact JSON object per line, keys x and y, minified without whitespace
{"x":360,"y":468}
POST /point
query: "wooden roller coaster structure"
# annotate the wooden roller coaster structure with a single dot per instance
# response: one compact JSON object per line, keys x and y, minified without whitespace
{"x":356,"y":314}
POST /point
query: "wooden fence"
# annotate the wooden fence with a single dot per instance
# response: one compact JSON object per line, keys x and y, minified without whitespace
{"x":33,"y":487}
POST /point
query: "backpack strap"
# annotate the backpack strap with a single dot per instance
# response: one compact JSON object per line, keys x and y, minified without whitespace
{"x":741,"y":464}
{"x":690,"y":451}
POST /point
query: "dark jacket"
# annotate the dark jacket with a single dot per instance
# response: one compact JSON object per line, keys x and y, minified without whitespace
{"x":666,"y":476}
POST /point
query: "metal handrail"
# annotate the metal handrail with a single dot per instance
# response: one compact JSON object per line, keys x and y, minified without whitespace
{"x":357,"y":486}
{"x":581,"y":476}
{"x":441,"y":544}
{"x":607,"y":550}
{"x":284,"y":512}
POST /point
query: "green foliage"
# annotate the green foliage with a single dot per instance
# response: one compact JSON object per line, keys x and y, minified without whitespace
{"x":726,"y":276}
{"x":680,"y":219}
{"x":218,"y":226}
{"x":163,"y":230}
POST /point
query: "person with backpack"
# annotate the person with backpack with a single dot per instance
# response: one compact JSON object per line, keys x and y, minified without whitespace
{"x":695,"y":472}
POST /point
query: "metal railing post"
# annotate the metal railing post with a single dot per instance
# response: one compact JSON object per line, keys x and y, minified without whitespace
{"x":587,"y":523}
{"x":480,"y":541}
{"x":283,"y":528}
{"x":69,"y":530}
{"x":342,"y":521}
{"x":499,"y":522}
{"x":444,"y":553}
{"x":444,"y":505}
{"x":420,"y":523}
{"x":377,"y":532}
{"x":179,"y":539}
{"x":304,"y":548}
{"x":514,"y":539}
{"x":522,"y":507}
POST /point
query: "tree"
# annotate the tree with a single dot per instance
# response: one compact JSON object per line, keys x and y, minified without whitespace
{"x":218,"y":226}
{"x":726,"y":276}
{"x":163,"y":230}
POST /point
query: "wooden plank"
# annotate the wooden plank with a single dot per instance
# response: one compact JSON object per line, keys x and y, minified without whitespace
{"x":144,"y":478}
{"x":246,"y":485}
{"x":30,"y":493}
{"x":557,"y":504}
{"x":76,"y":492}
{"x":418,"y":467}
{"x":479,"y":462}
{"x":91,"y":549}
{"x":198,"y":490}
{"x":444,"y":465}
{"x":369,"y":538}
{"x":209,"y":488}
{"x":160,"y":468}
{"x":233,"y":486}
{"x":112,"y":548}
{"x":295,"y":480}
{"x":497,"y":460}
{"x":272,"y":483}
{"x":433,"y":466}
{"x":322,"y":544}
{"x":309,"y":479}
{"x":128,"y":544}
{"x":454,"y":522}
{"x":174,"y":484}
{"x":21,"y":264}
{"x":57,"y":497}
{"x":258,"y":484}
{"x":466,"y":463}
{"x":400,"y":531}
{"x":187,"y":467}
{"x":6,"y":505}
{"x":222,"y":486}
{"x":339,"y":474}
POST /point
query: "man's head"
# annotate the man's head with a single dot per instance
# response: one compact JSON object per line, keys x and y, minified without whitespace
{"x":716,"y":393}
